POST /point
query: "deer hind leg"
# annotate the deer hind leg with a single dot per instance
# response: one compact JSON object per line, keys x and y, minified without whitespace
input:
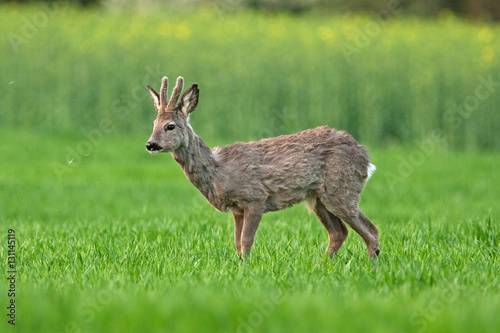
{"x":337,"y":231}
{"x":366,"y":229}
{"x":348,"y":210}
{"x":373,"y":249}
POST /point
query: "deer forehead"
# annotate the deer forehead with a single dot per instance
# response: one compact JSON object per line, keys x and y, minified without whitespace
{"x":168,"y":117}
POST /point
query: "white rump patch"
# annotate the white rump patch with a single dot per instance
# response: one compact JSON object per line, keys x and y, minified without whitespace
{"x":371,"y":169}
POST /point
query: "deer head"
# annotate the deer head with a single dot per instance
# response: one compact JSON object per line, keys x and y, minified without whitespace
{"x":171,"y":127}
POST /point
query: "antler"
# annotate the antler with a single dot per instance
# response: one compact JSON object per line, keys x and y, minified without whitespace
{"x":163,"y":92}
{"x":175,"y":93}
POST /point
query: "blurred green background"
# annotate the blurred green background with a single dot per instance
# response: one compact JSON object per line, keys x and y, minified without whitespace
{"x":386,"y":77}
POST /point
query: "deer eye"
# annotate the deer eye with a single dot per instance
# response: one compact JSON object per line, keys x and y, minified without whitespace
{"x":169,"y":127}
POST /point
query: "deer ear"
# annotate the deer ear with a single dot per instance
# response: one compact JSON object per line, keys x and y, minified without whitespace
{"x":189,"y":100}
{"x":156,"y":97}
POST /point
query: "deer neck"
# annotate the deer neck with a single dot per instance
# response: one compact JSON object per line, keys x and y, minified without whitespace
{"x":198,"y":163}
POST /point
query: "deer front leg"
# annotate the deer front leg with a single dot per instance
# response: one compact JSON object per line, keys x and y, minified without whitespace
{"x":238,"y":227}
{"x":251,"y":221}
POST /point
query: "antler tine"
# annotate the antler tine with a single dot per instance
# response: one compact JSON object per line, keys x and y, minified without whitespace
{"x":179,"y":85}
{"x":163,"y":92}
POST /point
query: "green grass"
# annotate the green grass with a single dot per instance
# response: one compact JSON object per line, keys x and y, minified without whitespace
{"x":124,"y":243}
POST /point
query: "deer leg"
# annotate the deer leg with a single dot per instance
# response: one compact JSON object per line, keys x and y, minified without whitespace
{"x":250,"y":223}
{"x":238,"y":227}
{"x":373,"y":250}
{"x":366,"y":229}
{"x":337,"y":231}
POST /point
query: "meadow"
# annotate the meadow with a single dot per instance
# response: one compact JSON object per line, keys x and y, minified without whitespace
{"x":111,"y":239}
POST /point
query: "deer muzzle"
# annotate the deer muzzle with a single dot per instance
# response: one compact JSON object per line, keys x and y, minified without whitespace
{"x":153,"y":147}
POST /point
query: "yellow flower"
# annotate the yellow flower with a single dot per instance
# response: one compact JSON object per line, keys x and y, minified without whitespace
{"x":277,"y":30}
{"x":485,"y":35}
{"x":182,"y":31}
{"x":326,"y":34}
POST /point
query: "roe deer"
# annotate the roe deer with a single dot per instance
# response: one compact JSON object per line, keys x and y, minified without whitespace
{"x":323,"y":166}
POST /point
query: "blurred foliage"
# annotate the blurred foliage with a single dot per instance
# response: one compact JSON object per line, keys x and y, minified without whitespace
{"x":384,"y":79}
{"x":83,"y":3}
{"x":474,"y":9}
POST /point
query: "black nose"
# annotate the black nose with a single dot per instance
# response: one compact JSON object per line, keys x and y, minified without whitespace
{"x":152,"y":146}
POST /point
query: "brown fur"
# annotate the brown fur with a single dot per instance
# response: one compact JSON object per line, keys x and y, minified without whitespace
{"x":323,"y":166}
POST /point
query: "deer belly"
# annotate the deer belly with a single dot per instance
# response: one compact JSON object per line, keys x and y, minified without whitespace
{"x":284,"y":200}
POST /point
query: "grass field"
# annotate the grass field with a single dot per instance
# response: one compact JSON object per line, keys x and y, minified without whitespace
{"x":123,"y":243}
{"x":111,"y":239}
